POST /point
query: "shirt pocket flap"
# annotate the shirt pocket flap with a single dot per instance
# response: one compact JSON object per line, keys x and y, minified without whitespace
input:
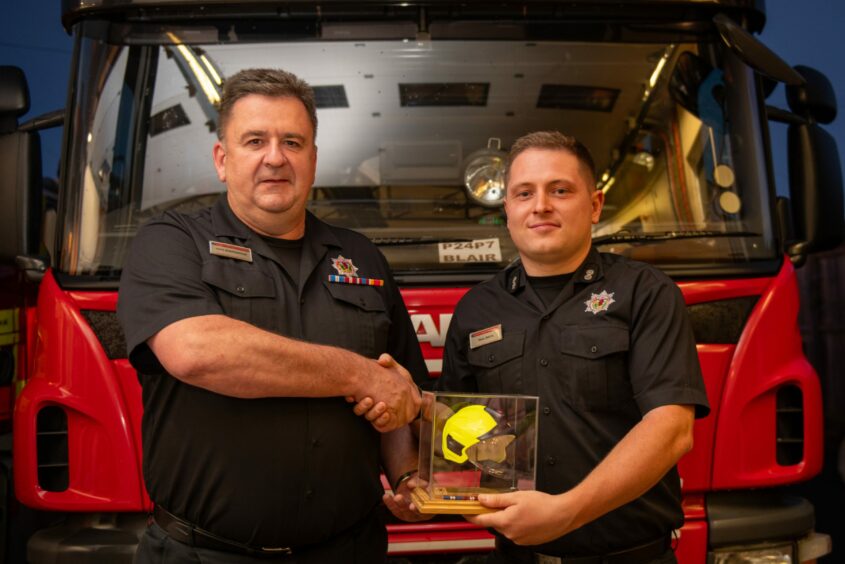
{"x":592,"y":341}
{"x":244,"y":282}
{"x":500,"y":352}
{"x":366,"y":298}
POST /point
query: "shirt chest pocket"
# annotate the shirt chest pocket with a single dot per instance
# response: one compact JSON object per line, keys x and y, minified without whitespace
{"x":595,"y":360}
{"x":498,"y":366}
{"x":358,"y":320}
{"x":244,"y":292}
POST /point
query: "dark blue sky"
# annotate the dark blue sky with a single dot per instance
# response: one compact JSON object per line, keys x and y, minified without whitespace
{"x":807,"y":32}
{"x":32,"y":37}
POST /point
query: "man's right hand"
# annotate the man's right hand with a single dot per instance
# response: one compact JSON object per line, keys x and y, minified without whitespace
{"x":388,"y":399}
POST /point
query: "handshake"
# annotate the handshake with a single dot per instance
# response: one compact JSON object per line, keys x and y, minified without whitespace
{"x":387,"y":397}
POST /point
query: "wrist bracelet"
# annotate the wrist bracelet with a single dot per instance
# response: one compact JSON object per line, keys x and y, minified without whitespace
{"x":403,"y":478}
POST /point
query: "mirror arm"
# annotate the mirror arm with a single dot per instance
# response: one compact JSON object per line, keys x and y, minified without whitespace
{"x":56,"y":118}
{"x":754,"y":53}
{"x":33,"y":267}
{"x":797,"y":253}
{"x":784,"y":116}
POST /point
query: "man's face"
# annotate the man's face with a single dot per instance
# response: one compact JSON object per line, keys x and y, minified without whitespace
{"x":551,"y":208}
{"x":267,"y":158}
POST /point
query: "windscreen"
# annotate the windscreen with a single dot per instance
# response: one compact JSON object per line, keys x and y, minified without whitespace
{"x":405,"y":125}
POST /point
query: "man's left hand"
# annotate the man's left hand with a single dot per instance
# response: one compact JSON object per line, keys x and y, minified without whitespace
{"x":525,"y":517}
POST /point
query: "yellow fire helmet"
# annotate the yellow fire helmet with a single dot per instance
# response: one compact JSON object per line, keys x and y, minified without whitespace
{"x":468,"y":426}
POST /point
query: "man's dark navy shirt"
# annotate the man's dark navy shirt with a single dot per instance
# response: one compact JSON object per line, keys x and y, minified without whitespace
{"x":271,"y":471}
{"x":614,"y":344}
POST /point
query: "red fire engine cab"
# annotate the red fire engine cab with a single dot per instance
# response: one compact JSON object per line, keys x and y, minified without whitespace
{"x":417,"y":103}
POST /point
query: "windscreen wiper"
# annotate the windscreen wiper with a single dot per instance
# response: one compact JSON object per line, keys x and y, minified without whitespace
{"x":400,"y":241}
{"x":626,"y":236}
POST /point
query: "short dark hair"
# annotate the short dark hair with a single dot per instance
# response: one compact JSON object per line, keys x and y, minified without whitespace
{"x":553,"y":141}
{"x":264,"y":82}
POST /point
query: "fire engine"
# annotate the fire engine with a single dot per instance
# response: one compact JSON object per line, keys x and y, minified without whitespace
{"x":418,"y":103}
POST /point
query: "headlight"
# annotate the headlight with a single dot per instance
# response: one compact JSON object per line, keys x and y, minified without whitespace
{"x":780,"y":554}
{"x":484,"y":176}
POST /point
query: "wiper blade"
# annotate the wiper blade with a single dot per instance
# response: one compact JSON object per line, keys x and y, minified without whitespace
{"x":628,"y":237}
{"x":399,"y":241}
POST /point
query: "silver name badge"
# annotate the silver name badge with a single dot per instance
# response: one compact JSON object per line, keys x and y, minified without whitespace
{"x":485,"y":336}
{"x":230,"y":251}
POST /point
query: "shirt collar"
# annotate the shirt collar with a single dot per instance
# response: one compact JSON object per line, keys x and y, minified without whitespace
{"x":588,"y":272}
{"x":515,"y":277}
{"x":225,"y":223}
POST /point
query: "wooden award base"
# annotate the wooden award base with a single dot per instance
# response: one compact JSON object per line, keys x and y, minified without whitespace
{"x":425,"y":504}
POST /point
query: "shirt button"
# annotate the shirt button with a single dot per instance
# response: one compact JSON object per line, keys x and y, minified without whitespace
{"x":547,"y":410}
{"x":594,"y":349}
{"x":315,"y":442}
{"x":309,"y":493}
{"x":240,"y":289}
{"x":491,"y":358}
{"x":551,"y":461}
{"x":302,"y":301}
{"x":544,"y":362}
{"x":546,"y":316}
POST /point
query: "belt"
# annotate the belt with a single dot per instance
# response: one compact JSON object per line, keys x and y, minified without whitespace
{"x":188,"y":533}
{"x":641,"y":554}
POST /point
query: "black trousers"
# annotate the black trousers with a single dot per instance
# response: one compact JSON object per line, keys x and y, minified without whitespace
{"x":366,"y":543}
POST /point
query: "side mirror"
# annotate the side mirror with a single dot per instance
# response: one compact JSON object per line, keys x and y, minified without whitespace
{"x":814,"y":100}
{"x":815,"y":173}
{"x":20,"y":163}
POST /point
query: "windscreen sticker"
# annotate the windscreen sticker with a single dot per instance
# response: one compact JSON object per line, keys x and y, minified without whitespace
{"x":479,"y":250}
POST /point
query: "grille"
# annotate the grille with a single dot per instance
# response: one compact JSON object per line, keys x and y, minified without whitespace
{"x":790,"y":425}
{"x":108,"y":331}
{"x":720,"y":322}
{"x":51,"y":444}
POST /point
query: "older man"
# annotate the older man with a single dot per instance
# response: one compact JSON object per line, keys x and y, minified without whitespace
{"x":248,"y":326}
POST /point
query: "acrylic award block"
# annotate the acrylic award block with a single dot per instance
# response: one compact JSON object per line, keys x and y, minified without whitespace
{"x":472,"y":444}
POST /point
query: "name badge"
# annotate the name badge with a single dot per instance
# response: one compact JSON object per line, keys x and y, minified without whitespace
{"x":485,"y":336}
{"x":230,"y":251}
